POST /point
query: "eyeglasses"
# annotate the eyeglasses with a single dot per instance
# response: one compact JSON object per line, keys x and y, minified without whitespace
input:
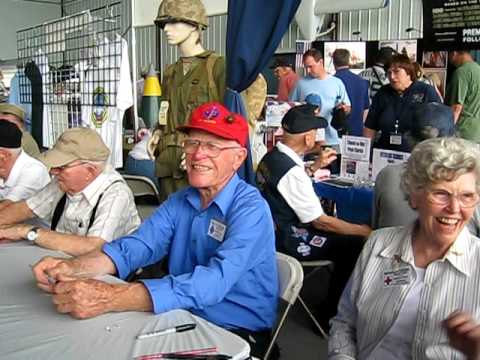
{"x":65,"y":167}
{"x":210,"y":149}
{"x":442,"y":197}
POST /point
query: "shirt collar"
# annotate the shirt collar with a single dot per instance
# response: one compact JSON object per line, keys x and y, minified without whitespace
{"x":97,"y":186}
{"x":457,"y":255}
{"x":291,"y":154}
{"x":223,"y":199}
{"x":15,"y":173}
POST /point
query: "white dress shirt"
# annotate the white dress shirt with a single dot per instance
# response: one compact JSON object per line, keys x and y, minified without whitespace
{"x":373,"y":297}
{"x":27,"y":177}
{"x":116,"y":214}
{"x":297,"y":189}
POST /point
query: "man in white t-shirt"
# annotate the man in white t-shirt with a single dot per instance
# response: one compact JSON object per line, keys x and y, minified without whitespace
{"x":304,"y":231}
{"x":20,"y":175}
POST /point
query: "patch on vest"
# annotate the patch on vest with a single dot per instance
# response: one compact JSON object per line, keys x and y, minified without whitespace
{"x":318,"y":241}
{"x":304,"y":249}
{"x":299,"y":233}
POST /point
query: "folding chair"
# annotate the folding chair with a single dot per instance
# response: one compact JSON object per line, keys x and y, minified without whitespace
{"x":143,"y":187}
{"x":316,"y":264}
{"x":290,"y":279}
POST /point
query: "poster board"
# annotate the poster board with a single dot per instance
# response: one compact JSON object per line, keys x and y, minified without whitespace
{"x":357,"y":55}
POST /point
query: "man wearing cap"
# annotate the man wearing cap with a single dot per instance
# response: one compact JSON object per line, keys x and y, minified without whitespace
{"x":87,"y":202}
{"x":20,"y":175}
{"x":218,"y":235}
{"x":304,"y":231}
{"x":287,"y":77}
{"x":16,"y":115}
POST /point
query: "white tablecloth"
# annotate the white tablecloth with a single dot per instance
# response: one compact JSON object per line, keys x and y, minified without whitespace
{"x":31,"y":328}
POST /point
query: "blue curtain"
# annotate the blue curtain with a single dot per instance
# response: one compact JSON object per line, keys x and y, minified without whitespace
{"x":254,"y":30}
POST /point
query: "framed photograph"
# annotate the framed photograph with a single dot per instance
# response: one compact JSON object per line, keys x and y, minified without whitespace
{"x":405,"y":47}
{"x":357,"y":55}
{"x":435,"y":59}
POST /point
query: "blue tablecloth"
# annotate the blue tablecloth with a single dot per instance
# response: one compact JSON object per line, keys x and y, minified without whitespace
{"x":354,"y":204}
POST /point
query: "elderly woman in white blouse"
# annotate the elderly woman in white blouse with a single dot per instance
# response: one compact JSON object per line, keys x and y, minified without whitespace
{"x":415,"y":290}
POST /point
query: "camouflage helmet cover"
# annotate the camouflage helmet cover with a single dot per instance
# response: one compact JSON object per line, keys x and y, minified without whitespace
{"x":189,"y":11}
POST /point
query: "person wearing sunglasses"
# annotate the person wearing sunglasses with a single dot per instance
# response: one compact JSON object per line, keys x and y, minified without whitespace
{"x":411,"y":282}
{"x":217,"y":233}
{"x":87,"y":203}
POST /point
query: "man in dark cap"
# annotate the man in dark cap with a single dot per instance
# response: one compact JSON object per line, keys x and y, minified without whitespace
{"x":304,"y":231}
{"x":430,"y":120}
{"x":20,"y":175}
{"x":287,"y":77}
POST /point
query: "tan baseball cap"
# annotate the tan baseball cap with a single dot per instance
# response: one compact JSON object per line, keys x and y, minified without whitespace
{"x":76,"y":144}
{"x":12,"y":109}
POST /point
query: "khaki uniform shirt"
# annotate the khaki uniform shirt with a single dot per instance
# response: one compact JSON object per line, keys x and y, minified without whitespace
{"x":184,"y":93}
{"x":116,"y":213}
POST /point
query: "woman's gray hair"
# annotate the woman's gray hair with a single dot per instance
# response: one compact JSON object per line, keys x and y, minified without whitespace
{"x":440,"y":159}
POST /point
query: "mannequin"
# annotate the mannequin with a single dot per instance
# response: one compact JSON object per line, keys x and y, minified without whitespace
{"x":197,"y":77}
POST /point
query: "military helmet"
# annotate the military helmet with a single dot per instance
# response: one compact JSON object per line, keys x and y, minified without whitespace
{"x":188,"y":11}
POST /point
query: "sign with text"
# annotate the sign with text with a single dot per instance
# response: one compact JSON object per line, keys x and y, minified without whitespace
{"x":451,"y":24}
{"x":355,"y":157}
{"x":382,"y":158}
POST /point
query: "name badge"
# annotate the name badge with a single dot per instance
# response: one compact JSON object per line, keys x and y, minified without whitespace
{"x":217,"y":230}
{"x":395,"y":139}
{"x":399,"y":277}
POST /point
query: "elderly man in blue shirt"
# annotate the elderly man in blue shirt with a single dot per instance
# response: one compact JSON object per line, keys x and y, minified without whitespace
{"x":218,"y":235}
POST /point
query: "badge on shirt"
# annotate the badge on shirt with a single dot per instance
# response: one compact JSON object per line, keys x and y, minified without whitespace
{"x":395,"y":139}
{"x":398,"y":277}
{"x":318,"y":241}
{"x":217,"y":230}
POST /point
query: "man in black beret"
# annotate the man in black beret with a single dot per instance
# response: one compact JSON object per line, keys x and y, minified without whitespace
{"x":20,"y":174}
{"x":304,"y":231}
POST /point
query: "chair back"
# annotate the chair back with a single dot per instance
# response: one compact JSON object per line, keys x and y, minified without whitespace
{"x":141,"y":185}
{"x":290,"y":281}
{"x":144,"y":191}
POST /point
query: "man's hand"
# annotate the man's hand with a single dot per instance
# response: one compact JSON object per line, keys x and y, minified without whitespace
{"x":83,"y":299}
{"x":463,"y":334}
{"x":49,"y":270}
{"x":325,"y":158}
{"x":344,"y":107}
{"x":14,"y":232}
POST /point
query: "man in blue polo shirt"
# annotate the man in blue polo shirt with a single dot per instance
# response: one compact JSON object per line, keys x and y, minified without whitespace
{"x":357,"y":90}
{"x":330,"y":90}
{"x":218,"y":234}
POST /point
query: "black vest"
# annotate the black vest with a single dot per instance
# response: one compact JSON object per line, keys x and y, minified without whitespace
{"x":272,"y":168}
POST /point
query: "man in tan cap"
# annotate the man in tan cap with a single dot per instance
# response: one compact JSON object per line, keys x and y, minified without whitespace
{"x":88,"y":203}
{"x":16,"y":115}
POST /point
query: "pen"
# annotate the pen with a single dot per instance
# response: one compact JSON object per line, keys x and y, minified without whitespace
{"x":179,"y":328}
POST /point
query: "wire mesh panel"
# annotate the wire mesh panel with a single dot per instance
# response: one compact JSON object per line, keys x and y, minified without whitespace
{"x":69,"y":64}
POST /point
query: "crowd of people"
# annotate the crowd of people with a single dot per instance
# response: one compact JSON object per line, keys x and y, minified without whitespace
{"x":403,"y":286}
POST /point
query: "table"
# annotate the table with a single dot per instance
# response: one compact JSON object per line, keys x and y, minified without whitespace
{"x":354,"y":204}
{"x":31,"y":328}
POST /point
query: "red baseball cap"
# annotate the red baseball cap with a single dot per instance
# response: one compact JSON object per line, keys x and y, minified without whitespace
{"x":216,"y":119}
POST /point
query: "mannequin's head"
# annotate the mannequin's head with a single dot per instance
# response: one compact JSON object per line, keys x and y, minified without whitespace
{"x":178,"y":32}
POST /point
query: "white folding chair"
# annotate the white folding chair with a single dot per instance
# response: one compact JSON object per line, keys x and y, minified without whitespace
{"x":142,"y":186}
{"x":316,"y":264}
{"x":290,"y":279}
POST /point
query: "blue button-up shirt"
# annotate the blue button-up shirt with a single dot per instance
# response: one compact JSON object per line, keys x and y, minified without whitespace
{"x":222,"y":263}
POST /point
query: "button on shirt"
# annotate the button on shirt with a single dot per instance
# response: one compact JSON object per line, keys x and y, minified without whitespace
{"x":27,"y":177}
{"x":370,"y":305}
{"x":222,"y":262}
{"x":116,"y":213}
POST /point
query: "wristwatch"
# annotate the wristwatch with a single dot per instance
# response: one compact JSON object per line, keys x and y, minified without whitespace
{"x":32,"y":234}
